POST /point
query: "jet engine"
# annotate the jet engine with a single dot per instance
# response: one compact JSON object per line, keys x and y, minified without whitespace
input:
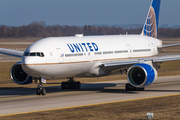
{"x":141,"y":75}
{"x":18,"y":75}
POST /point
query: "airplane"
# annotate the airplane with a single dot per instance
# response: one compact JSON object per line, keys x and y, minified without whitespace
{"x":94,"y":56}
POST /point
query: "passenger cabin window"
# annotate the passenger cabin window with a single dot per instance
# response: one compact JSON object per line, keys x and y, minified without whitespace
{"x":73,"y":55}
{"x":39,"y":54}
{"x":108,"y":52}
{"x":120,"y":51}
{"x":98,"y":53}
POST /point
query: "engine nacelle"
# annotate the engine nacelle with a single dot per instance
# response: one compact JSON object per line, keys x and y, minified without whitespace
{"x":141,"y":75}
{"x":18,"y":75}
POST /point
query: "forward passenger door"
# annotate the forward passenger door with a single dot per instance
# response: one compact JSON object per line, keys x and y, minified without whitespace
{"x":60,"y":55}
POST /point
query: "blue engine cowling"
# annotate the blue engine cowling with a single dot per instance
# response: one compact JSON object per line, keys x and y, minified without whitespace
{"x":18,"y":75}
{"x":141,"y":75}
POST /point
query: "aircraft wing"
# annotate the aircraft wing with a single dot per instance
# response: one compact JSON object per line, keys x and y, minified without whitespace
{"x":169,"y":45}
{"x":11,"y":52}
{"x":129,"y":62}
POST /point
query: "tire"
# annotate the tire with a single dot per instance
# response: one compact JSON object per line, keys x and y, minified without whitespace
{"x":128,"y":87}
{"x":66,"y":85}
{"x":78,"y":85}
{"x":63,"y":85}
{"x":38,"y":91}
{"x":75,"y":85}
{"x":43,"y":91}
{"x":141,"y":89}
{"x":71,"y":85}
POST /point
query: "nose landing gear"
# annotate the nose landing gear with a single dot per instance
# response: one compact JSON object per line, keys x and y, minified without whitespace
{"x":71,"y":84}
{"x":40,"y":90}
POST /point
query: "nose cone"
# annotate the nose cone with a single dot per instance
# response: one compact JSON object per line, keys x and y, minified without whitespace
{"x":28,"y":64}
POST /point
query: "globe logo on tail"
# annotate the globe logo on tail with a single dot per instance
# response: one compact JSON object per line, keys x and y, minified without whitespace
{"x":150,"y":27}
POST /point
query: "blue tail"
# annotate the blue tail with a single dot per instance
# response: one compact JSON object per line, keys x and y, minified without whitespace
{"x":151,"y":24}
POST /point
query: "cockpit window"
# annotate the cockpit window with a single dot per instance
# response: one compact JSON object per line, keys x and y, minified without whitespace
{"x":32,"y":54}
{"x":42,"y":54}
{"x":39,"y":54}
{"x":26,"y":53}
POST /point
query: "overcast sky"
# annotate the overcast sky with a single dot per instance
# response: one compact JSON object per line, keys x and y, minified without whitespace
{"x":82,"y":12}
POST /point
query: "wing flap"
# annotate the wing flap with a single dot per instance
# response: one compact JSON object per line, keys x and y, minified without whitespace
{"x":120,"y":62}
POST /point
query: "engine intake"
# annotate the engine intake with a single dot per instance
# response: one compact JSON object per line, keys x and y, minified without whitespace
{"x":141,"y":75}
{"x":18,"y":75}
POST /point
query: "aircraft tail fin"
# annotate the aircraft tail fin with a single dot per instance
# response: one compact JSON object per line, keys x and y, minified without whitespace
{"x":151,"y":24}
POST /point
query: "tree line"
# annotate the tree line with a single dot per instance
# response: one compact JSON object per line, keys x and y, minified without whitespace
{"x":40,"y":29}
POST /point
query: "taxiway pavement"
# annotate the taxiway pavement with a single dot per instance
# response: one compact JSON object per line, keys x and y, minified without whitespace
{"x":22,"y":100}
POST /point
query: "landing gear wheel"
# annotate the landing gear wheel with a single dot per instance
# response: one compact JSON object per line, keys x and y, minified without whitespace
{"x":129,"y":87}
{"x":43,"y":92}
{"x":63,"y":85}
{"x":78,"y":85}
{"x":140,"y":89}
{"x":71,"y":84}
{"x":38,"y":91}
{"x":75,"y":85}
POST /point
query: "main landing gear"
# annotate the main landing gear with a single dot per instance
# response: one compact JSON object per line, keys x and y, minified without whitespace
{"x":129,"y":87}
{"x":40,"y":90}
{"x":71,"y":84}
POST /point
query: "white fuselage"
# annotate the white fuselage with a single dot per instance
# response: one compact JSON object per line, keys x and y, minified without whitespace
{"x":80,"y":56}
